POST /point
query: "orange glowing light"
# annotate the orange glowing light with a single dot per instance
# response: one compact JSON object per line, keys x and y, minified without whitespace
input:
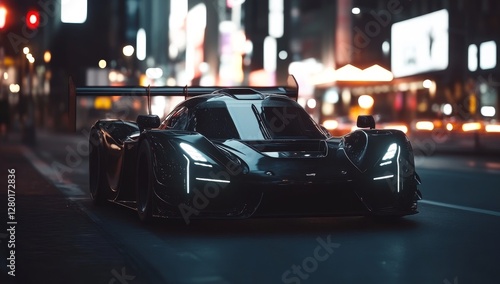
{"x":449,"y":126}
{"x":400,"y":127}
{"x":492,"y":128}
{"x":331,"y":124}
{"x":424,"y":125}
{"x":372,"y":73}
{"x":471,"y":126}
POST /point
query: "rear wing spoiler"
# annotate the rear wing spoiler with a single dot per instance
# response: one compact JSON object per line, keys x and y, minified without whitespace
{"x":291,"y":91}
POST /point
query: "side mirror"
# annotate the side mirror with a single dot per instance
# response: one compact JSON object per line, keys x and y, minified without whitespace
{"x":366,"y":121}
{"x":147,"y":121}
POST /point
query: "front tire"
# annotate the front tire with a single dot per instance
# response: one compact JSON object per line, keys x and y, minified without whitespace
{"x":144,"y":182}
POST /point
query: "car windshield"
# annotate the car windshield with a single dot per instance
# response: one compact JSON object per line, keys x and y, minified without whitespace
{"x":253,"y":120}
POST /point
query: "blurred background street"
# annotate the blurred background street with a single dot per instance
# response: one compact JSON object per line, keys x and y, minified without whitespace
{"x":427,"y":67}
{"x":424,"y":67}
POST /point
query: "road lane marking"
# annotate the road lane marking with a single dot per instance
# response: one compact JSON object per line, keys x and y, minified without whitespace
{"x":460,"y":207}
{"x":68,"y":188}
{"x":457,"y":164}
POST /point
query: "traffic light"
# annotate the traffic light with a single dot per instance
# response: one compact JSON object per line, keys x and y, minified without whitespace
{"x":32,"y":19}
{"x":3,"y":17}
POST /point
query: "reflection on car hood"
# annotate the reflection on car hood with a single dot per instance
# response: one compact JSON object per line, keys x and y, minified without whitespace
{"x":310,"y":148}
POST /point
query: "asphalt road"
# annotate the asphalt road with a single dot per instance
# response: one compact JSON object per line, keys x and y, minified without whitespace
{"x":65,"y":239}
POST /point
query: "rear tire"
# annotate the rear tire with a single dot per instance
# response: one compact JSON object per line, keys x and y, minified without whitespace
{"x":144,"y":182}
{"x":96,"y":176}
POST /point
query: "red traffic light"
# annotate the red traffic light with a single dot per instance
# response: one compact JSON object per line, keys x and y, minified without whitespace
{"x":32,"y":19}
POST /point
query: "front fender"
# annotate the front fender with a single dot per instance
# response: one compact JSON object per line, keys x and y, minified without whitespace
{"x":365,"y":148}
{"x":388,"y":183}
{"x":176,"y":171}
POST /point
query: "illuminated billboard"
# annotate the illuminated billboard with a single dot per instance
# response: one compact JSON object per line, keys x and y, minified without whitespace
{"x":420,"y":44}
{"x":73,"y":11}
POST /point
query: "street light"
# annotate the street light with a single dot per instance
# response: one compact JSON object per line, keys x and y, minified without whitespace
{"x":102,"y":63}
{"x":128,"y":50}
{"x":47,"y":56}
{"x":30,"y":58}
{"x":29,"y":133}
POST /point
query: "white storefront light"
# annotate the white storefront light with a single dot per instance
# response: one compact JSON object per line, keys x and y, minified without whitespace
{"x":488,"y":55}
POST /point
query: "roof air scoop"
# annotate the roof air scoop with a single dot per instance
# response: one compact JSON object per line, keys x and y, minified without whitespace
{"x":241,"y":93}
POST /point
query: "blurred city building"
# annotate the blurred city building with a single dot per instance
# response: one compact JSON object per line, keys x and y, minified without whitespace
{"x":403,"y":61}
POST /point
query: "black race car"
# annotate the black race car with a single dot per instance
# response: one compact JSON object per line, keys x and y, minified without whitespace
{"x":242,"y":152}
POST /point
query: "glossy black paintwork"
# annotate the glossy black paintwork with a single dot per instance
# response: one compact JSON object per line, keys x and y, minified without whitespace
{"x":311,"y":174}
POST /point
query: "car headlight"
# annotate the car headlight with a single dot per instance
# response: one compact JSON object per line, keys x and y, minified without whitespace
{"x":192,"y":152}
{"x":389,"y":155}
{"x":391,"y":152}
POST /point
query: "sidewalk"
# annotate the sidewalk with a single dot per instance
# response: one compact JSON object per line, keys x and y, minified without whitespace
{"x":55,"y":241}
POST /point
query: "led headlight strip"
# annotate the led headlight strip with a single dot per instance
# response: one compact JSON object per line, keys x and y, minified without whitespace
{"x":198,"y":157}
{"x":391,"y":152}
{"x":187,"y":173}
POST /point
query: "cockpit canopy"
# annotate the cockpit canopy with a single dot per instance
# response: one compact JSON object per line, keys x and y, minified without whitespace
{"x":222,"y":116}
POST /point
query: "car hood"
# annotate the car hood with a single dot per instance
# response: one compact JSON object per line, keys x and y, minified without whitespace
{"x":293,"y":160}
